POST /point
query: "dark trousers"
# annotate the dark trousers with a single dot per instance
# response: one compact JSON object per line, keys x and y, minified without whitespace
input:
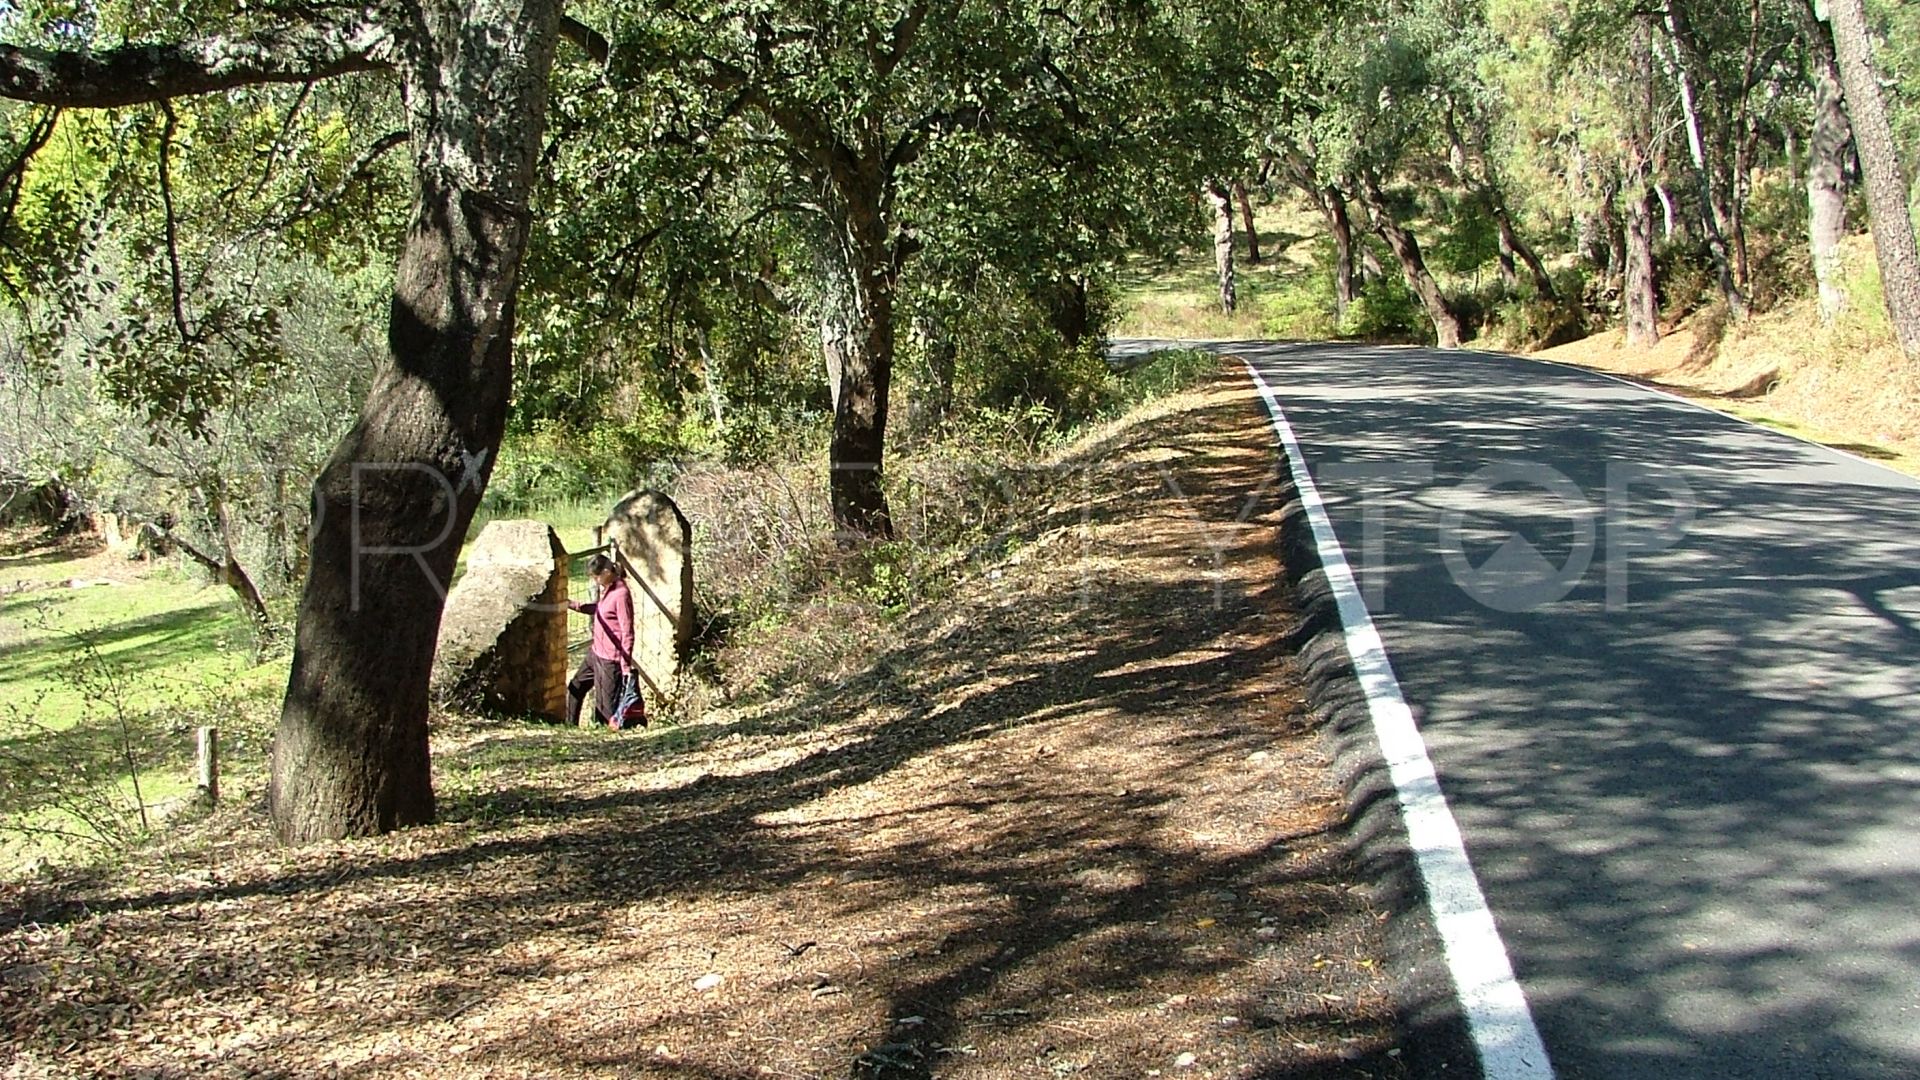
{"x":602,"y":677}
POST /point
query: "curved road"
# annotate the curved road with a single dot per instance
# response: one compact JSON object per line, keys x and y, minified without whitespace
{"x":1667,"y":667}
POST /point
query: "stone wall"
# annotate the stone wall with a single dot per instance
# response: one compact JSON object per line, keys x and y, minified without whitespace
{"x":503,"y":638}
{"x":654,"y":542}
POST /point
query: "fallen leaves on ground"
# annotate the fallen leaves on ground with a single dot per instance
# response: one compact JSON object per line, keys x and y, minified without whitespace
{"x":1071,"y":822}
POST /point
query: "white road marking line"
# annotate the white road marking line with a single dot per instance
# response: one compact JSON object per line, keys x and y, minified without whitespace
{"x":1659,"y":391}
{"x":1496,"y":1008}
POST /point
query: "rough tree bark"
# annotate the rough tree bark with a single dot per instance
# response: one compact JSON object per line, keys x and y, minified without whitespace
{"x":1246,"y":220}
{"x":1069,"y":309}
{"x":1893,"y":240}
{"x":1332,"y":203}
{"x":1367,"y":264}
{"x":138,"y":74}
{"x":1714,"y":215}
{"x":1222,"y":202}
{"x":1446,"y":325}
{"x":1740,"y":185}
{"x":1508,"y":269}
{"x":1826,"y":179}
{"x":1639,"y":288}
{"x":1511,"y":241}
{"x":1340,"y":224}
{"x":861,"y":320}
{"x":1640,"y":298}
{"x":392,"y":506}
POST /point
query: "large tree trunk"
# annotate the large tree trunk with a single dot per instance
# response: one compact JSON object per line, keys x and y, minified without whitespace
{"x":1510,"y":241}
{"x":1672,"y":226}
{"x":1368,"y":264}
{"x":1827,"y":150}
{"x":1340,"y":224}
{"x":394,"y":503}
{"x":1639,"y":289}
{"x":1745,"y":136}
{"x":1065,"y":302}
{"x":1333,"y":206}
{"x":1446,"y":325}
{"x":1222,"y":203}
{"x":1641,"y":296}
{"x":862,"y":319}
{"x":1508,"y":269}
{"x":1246,"y":220}
{"x":1893,"y":241}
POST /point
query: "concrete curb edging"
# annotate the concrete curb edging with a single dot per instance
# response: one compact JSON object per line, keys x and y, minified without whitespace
{"x":1459,"y":1008}
{"x":1434,"y":1035}
{"x":1435,"y":1038}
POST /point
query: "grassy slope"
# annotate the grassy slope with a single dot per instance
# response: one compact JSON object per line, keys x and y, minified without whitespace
{"x":106,"y":662}
{"x":1844,"y":385}
{"x":1181,"y":300}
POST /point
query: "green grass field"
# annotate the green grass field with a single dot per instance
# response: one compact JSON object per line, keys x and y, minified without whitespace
{"x":109,"y":666}
{"x":1277,"y":297}
{"x":106,"y":669}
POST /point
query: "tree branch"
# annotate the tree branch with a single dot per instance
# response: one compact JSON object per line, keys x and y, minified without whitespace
{"x":137,"y":74}
{"x":160,"y":536}
{"x":166,"y":201}
{"x":902,"y":39}
{"x":281,"y":140}
{"x":913,"y":140}
{"x":591,"y":41}
{"x":362,"y":166}
{"x":15,"y":175}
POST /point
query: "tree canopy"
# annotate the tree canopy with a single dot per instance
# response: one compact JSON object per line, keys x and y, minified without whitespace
{"x":683,"y":222}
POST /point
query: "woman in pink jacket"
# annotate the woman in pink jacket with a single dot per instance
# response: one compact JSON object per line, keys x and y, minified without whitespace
{"x":609,"y":663}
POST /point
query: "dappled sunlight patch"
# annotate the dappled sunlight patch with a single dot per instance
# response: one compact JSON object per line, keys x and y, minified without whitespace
{"x":1068,"y":817}
{"x":1844,"y":385}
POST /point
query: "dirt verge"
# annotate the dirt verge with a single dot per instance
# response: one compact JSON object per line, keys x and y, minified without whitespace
{"x":1433,"y":1029}
{"x":1075,"y":819}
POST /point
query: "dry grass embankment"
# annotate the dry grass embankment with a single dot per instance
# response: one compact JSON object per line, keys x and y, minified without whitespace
{"x":1069,"y":819}
{"x":1845,"y":385}
{"x":1786,"y":372}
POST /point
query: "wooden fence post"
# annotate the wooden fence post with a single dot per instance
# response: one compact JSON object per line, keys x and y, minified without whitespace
{"x":208,"y":755}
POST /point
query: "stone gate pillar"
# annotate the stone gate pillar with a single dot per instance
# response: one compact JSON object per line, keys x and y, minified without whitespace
{"x":503,"y":638}
{"x":654,"y":542}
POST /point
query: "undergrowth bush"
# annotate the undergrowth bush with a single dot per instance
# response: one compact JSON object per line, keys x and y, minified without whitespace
{"x":1301,"y":311}
{"x":1387,"y":310}
{"x":784,"y":600}
{"x":1167,"y":372}
{"x":1530,"y":323}
{"x":1687,"y":279}
{"x":559,"y":462}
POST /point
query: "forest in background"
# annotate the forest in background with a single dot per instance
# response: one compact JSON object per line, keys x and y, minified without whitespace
{"x":747,"y":235}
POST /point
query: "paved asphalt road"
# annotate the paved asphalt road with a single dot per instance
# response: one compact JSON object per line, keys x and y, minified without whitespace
{"x":1667,"y":665}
